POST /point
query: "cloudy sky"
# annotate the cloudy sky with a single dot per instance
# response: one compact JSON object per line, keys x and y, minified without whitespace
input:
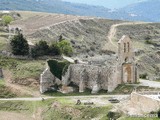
{"x":107,"y":3}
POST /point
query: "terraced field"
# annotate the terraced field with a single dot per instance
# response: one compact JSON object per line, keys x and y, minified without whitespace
{"x":31,"y":22}
{"x":89,"y":36}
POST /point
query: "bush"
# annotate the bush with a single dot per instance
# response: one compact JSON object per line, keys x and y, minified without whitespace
{"x":7,"y":19}
{"x":113,"y":115}
{"x":40,"y":49}
{"x":148,"y":42}
{"x":65,"y":47}
{"x":158,"y":114}
{"x":143,"y":76}
{"x":56,"y":48}
{"x":19,"y":45}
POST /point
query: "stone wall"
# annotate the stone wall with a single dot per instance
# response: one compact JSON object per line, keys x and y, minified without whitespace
{"x":147,"y":104}
{"x":91,"y":77}
{"x":47,"y":79}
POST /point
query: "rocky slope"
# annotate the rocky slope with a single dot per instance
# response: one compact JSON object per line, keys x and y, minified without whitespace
{"x":147,"y":46}
{"x":89,"y":37}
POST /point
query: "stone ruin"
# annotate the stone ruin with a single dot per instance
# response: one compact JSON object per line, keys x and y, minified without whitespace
{"x":95,"y":77}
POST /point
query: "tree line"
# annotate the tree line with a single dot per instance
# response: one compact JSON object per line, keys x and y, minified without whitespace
{"x":20,"y":46}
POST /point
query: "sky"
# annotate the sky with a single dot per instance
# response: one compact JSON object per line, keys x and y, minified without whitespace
{"x":106,"y":3}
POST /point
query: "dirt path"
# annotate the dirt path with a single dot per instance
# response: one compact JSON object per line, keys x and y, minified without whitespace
{"x":150,"y":83}
{"x":113,"y":30}
{"x":18,"y":89}
{"x":14,"y":116}
{"x":72,"y":97}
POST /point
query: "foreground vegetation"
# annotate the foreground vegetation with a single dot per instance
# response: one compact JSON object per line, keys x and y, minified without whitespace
{"x":60,"y":109}
{"x":5,"y":92}
{"x":22,"y":69}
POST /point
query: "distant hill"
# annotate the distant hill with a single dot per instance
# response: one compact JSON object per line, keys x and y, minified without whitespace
{"x":149,"y":10}
{"x":142,"y":11}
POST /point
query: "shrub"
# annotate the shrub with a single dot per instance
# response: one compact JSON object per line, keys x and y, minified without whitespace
{"x":7,"y":19}
{"x":113,"y":115}
{"x":54,"y":49}
{"x":65,"y":47}
{"x":148,"y":42}
{"x":19,"y":45}
{"x":40,"y":49}
{"x":143,"y":76}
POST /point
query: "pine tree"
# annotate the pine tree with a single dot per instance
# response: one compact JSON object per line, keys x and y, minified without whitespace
{"x":19,"y":45}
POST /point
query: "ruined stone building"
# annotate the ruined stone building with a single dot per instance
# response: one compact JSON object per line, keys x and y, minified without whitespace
{"x":94,"y":77}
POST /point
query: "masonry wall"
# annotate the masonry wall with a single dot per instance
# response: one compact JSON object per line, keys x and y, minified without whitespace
{"x":92,"y":77}
{"x":146,"y":104}
{"x":47,"y":79}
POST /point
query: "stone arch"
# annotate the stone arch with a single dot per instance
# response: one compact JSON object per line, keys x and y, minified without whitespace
{"x":127,"y":73}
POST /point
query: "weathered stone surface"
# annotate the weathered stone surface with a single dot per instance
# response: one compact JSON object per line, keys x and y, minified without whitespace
{"x":97,"y":77}
{"x":126,"y":61}
{"x":66,"y":89}
{"x":47,"y":79}
{"x":91,"y":77}
{"x":146,"y":104}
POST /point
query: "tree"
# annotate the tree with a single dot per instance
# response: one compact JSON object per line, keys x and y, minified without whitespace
{"x":40,"y":49}
{"x":54,"y":49}
{"x":7,"y":19}
{"x":65,"y":47}
{"x":19,"y":45}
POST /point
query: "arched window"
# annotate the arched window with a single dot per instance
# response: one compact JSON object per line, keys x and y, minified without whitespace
{"x":124,"y":47}
{"x":128,"y":46}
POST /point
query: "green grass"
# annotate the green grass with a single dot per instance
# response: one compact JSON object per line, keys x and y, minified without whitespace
{"x":22,"y":69}
{"x":87,"y":92}
{"x":127,"y":89}
{"x":5,"y":92}
{"x":121,"y":89}
{"x":138,"y":118}
{"x":3,"y":44}
{"x":62,"y":112}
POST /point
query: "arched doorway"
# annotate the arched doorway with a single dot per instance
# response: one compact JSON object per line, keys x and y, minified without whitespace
{"x":127,"y":73}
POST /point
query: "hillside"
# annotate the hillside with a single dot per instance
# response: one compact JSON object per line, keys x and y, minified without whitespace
{"x":88,"y":37}
{"x":141,"y":11}
{"x":146,"y":9}
{"x":93,"y":39}
{"x":147,"y":44}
